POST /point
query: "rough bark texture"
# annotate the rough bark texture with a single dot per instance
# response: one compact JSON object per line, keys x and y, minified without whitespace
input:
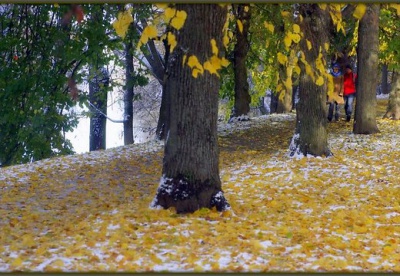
{"x":128,"y":95}
{"x":393,"y":109}
{"x":191,"y":167}
{"x":285,"y":102}
{"x":367,"y":64}
{"x":242,"y":46}
{"x":311,"y":134}
{"x":98,"y":119}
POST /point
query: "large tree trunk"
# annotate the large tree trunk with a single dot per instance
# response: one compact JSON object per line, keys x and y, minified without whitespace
{"x":311,"y":134}
{"x":242,"y":46}
{"x":98,"y":100}
{"x":367,"y":64}
{"x":191,"y":167}
{"x":393,"y":109}
{"x":128,"y":94}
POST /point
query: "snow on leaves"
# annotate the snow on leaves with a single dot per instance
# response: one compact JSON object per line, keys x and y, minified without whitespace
{"x":90,"y":212}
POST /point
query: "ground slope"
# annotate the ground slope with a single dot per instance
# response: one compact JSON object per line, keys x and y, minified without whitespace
{"x":90,"y":212}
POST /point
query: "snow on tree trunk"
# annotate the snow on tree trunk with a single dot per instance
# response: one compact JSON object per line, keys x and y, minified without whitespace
{"x":128,"y":94}
{"x":98,"y":98}
{"x":367,"y":64}
{"x":393,"y":109}
{"x":242,"y":97}
{"x":190,"y":178}
{"x":311,"y":135}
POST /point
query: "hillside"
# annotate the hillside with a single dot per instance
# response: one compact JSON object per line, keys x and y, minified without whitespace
{"x":90,"y":212}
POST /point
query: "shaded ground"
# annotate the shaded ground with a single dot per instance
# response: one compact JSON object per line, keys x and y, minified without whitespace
{"x":90,"y":212}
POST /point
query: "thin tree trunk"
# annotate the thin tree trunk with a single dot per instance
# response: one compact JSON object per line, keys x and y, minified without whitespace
{"x":98,"y":98}
{"x":242,"y":46}
{"x":367,"y":61}
{"x":165,"y":107}
{"x":384,"y":80}
{"x":285,"y":98}
{"x":393,"y":109}
{"x":191,"y":167}
{"x":311,"y":134}
{"x":128,"y":94}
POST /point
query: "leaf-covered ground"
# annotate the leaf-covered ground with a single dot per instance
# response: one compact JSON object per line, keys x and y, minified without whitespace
{"x":90,"y":212}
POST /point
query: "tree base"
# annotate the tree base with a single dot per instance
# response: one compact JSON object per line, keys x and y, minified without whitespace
{"x":188,"y":196}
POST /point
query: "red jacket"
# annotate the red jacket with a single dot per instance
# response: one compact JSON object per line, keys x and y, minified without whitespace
{"x":349,"y":83}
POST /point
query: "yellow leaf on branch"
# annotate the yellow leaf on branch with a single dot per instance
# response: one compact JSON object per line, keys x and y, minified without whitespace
{"x":319,"y":81}
{"x":282,"y":59}
{"x":169,"y":13}
{"x":396,"y":7}
{"x":121,"y":25}
{"x":296,"y":28}
{"x":214,"y":47}
{"x":360,"y":11}
{"x":322,"y":6}
{"x":149,"y":32}
{"x":287,"y":41}
{"x":269,"y":27}
{"x":295,"y":37}
{"x":309,"y":45}
{"x":240,"y":25}
{"x":172,"y":42}
{"x":179,"y":20}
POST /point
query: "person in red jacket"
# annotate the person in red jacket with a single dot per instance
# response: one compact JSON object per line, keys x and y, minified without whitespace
{"x":349,"y":91}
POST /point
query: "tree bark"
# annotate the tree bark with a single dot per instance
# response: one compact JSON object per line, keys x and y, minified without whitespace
{"x":98,"y":98}
{"x":128,"y":94}
{"x":285,"y":101}
{"x":190,"y":178}
{"x":384,"y":79}
{"x":367,"y":61}
{"x":242,"y":97}
{"x":165,"y":107}
{"x":393,"y":109}
{"x":311,"y":134}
